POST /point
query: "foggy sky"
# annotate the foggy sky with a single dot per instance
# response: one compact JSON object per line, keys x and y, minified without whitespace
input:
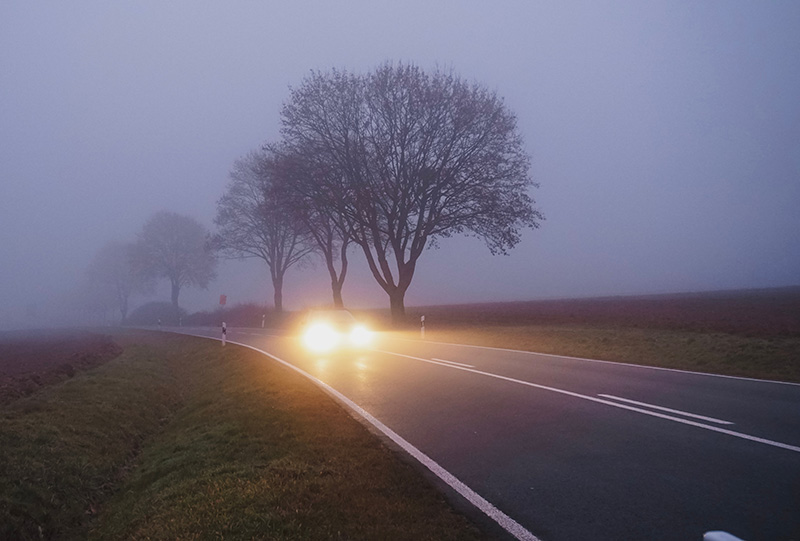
{"x":665,"y":136}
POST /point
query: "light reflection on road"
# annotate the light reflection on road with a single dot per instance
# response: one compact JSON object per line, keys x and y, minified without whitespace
{"x":321,"y":365}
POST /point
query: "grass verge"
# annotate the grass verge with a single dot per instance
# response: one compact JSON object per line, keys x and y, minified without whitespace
{"x":65,"y":449}
{"x":775,"y":358}
{"x":181,"y":438}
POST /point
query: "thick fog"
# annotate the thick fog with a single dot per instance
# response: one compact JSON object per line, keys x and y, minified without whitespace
{"x":665,"y":137}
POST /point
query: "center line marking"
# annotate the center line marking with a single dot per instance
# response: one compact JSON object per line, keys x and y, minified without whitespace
{"x":597,"y":400}
{"x":678,"y":412}
{"x":452,"y":362}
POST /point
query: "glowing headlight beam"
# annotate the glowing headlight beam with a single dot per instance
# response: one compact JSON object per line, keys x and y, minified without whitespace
{"x":360,"y":336}
{"x":320,"y":337}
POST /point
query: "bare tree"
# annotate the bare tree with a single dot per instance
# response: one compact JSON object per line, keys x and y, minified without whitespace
{"x":175,"y":247}
{"x":113,"y":275}
{"x":299,"y":188}
{"x":409,"y":158}
{"x":254,"y":221}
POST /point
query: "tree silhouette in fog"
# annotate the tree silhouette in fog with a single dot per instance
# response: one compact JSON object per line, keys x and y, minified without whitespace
{"x":175,"y":247}
{"x":113,"y":275}
{"x":303,"y":194}
{"x":254,"y":221}
{"x":399,"y":158}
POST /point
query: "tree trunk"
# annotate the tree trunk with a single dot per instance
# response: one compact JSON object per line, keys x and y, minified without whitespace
{"x":397,"y":303}
{"x":176,"y":290}
{"x":336,"y":286}
{"x":383,"y":274}
{"x":337,"y":279}
{"x":277,"y":286}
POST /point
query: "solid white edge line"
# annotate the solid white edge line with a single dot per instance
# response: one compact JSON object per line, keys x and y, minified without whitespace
{"x":661,"y":408}
{"x":506,"y":522}
{"x":600,"y":361}
{"x":741,"y":435}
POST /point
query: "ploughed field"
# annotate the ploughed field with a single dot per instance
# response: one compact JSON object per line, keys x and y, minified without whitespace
{"x":30,"y":360}
{"x":759,"y":312}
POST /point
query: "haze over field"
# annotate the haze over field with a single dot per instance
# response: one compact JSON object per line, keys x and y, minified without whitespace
{"x":665,"y":137}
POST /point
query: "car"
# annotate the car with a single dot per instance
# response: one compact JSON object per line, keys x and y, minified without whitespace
{"x":327,"y":330}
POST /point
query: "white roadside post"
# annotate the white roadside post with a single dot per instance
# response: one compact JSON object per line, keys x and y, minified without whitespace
{"x":422,"y":327}
{"x":222,"y":300}
{"x":263,"y":319}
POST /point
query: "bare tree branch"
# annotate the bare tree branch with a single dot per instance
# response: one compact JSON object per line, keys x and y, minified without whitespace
{"x":253,"y":220}
{"x":411,"y":158}
{"x":175,"y":247}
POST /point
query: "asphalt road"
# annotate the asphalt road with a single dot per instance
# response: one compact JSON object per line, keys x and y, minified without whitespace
{"x":576,"y":449}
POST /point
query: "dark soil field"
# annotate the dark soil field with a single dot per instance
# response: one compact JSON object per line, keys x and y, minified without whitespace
{"x":758,"y":313}
{"x":30,"y":360}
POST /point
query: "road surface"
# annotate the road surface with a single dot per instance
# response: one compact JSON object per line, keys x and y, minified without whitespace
{"x":557,"y":448}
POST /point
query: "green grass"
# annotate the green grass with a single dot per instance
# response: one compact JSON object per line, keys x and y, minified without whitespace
{"x":64,"y":450}
{"x":181,"y":438}
{"x":776,"y":358}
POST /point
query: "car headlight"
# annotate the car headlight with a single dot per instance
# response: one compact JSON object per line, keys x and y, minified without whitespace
{"x":320,"y":337}
{"x":360,"y":336}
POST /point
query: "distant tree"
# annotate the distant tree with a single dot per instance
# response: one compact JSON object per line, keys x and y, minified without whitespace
{"x":299,"y":187}
{"x":113,"y":276}
{"x":254,"y":221}
{"x":175,"y":247}
{"x":406,"y":158}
